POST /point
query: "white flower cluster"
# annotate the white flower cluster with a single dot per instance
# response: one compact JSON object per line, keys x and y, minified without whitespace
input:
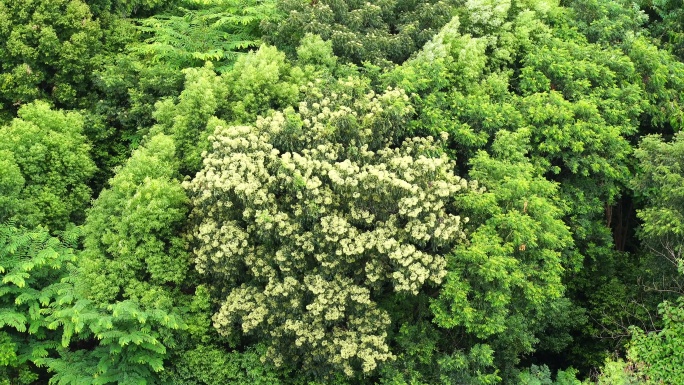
{"x":304,"y":233}
{"x":488,"y":12}
{"x":339,"y":324}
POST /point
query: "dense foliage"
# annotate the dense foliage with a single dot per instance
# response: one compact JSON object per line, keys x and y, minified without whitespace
{"x":47,"y":50}
{"x":398,"y":192}
{"x":46,"y":167}
{"x":381,"y":32}
{"x":32,"y":263}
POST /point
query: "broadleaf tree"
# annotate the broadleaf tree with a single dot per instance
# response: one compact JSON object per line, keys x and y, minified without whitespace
{"x":47,"y":167}
{"x":47,"y":51}
{"x":308,"y":218}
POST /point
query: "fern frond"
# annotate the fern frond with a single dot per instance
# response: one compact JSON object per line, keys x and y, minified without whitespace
{"x":27,"y":295}
{"x":13,"y":319}
{"x":17,"y":278}
{"x":204,"y":31}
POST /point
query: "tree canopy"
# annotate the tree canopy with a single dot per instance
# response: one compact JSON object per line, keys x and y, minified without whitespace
{"x":397,"y":192}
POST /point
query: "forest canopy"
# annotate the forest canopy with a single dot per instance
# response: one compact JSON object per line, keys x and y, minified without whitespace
{"x":396,"y":192}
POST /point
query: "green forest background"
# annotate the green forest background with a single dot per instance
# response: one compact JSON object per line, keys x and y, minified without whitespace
{"x":310,"y":192}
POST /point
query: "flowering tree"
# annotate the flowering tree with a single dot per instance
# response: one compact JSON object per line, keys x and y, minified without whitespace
{"x":308,"y":219}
